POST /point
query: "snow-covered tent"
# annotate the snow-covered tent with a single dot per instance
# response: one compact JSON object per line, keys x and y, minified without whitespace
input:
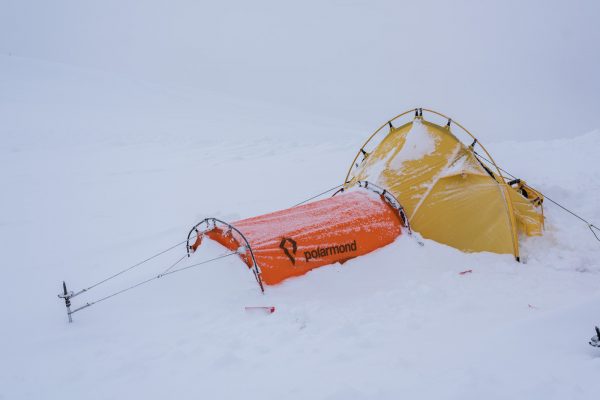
{"x":291,"y":242}
{"x":448,"y":192}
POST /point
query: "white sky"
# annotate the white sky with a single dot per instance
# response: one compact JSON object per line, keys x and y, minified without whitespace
{"x":506,"y":69}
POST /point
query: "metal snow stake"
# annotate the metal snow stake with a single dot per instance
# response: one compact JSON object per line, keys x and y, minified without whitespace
{"x":67,"y":296}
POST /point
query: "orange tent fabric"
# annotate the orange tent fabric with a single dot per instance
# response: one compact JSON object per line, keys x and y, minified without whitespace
{"x":294,"y":241}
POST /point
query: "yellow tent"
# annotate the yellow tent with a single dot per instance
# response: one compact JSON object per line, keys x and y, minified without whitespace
{"x":448,"y":192}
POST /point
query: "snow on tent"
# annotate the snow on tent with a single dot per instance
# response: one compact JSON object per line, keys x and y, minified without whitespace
{"x":294,"y":241}
{"x":448,"y":192}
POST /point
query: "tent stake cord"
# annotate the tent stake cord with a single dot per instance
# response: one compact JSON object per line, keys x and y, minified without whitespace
{"x":67,"y":295}
{"x":127,"y":269}
{"x":319,"y":195}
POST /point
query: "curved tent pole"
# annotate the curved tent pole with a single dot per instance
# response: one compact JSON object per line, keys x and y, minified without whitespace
{"x":472,"y":136}
{"x":371,"y":137}
{"x":214,"y":221}
{"x":502,"y":183}
{"x":503,"y":186}
{"x":415,"y":110}
{"x":390,"y":199}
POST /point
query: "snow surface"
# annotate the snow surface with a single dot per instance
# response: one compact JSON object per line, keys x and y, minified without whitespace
{"x":99,"y":172}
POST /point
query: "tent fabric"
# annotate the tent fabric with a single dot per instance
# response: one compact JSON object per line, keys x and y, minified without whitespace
{"x":294,"y":241}
{"x":448,"y":193}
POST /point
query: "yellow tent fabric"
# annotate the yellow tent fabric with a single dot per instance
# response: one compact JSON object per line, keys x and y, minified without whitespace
{"x":449,"y":194}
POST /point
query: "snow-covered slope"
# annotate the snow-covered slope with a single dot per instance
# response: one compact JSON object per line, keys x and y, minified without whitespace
{"x":100,"y":172}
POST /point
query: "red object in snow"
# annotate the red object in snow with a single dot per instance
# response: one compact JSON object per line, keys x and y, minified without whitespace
{"x":465,"y":272}
{"x":269,"y":310}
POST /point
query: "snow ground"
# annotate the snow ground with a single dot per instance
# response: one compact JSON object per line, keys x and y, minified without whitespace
{"x":99,"y":172}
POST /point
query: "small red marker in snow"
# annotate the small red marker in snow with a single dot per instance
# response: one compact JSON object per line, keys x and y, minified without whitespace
{"x":268,"y":310}
{"x":465,"y":272}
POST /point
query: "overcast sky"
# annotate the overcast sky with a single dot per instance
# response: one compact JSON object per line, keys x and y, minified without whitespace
{"x":506,"y":69}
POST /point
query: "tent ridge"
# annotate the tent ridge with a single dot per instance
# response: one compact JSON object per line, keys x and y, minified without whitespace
{"x":436,"y":179}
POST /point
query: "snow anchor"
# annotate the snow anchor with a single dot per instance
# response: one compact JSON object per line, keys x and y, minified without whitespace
{"x":67,"y":296}
{"x":595,"y":341}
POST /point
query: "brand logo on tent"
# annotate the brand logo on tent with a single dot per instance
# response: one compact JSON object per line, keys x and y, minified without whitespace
{"x":289,"y":250}
{"x":330,"y":251}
